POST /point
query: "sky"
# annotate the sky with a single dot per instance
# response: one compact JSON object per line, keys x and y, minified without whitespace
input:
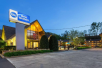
{"x":54,"y":14}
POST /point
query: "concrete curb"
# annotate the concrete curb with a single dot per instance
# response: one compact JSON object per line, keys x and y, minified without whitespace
{"x":2,"y":56}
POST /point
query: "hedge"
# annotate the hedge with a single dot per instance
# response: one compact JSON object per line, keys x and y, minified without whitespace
{"x":44,"y":42}
{"x":10,"y":48}
{"x":79,"y":48}
{"x":1,"y":50}
{"x":2,"y":44}
{"x":53,"y":43}
{"x":18,"y":53}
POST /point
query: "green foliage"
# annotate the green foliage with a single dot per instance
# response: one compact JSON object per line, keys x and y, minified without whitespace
{"x":0,"y":38}
{"x":18,"y":53}
{"x":95,"y":27}
{"x":63,"y":43}
{"x":56,"y":35}
{"x":78,"y":40}
{"x":10,"y":48}
{"x":1,"y":50}
{"x":53,"y":43}
{"x":72,"y":34}
{"x":65,"y":35}
{"x":81,"y":40}
{"x":85,"y":47}
{"x":44,"y":42}
{"x":2,"y":44}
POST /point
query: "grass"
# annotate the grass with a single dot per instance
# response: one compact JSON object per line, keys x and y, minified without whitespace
{"x":27,"y":52}
{"x":79,"y":48}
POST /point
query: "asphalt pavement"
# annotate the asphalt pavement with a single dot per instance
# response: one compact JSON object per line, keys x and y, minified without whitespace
{"x":86,"y":58}
{"x":4,"y":63}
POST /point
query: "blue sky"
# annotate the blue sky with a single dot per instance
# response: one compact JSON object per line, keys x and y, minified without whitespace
{"x":54,"y":14}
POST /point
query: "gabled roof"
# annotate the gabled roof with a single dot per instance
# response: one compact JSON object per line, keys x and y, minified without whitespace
{"x":33,"y":23}
{"x":9,"y":31}
{"x":64,"y":40}
{"x":92,"y":37}
{"x":0,"y":32}
{"x":94,"y":40}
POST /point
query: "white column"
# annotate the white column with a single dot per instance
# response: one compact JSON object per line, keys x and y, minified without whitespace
{"x":20,"y":40}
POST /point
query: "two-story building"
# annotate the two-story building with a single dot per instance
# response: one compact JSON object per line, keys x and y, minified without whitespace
{"x":32,"y":35}
{"x":93,"y":41}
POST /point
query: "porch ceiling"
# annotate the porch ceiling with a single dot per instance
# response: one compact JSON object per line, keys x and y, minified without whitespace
{"x":35,"y":26}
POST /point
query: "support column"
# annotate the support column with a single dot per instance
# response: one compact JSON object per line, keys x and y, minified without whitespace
{"x":20,"y":40}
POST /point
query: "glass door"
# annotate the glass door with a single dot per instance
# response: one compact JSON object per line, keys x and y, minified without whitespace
{"x":30,"y":45}
{"x":35,"y":44}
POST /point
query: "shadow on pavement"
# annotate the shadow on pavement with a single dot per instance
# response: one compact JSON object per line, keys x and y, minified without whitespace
{"x":4,"y":63}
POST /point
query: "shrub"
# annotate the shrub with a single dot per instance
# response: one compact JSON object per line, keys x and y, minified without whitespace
{"x":1,"y":50}
{"x":18,"y":53}
{"x":10,"y":48}
{"x":44,"y":42}
{"x":2,"y":44}
{"x":0,"y":38}
{"x":84,"y":47}
{"x":53,"y":43}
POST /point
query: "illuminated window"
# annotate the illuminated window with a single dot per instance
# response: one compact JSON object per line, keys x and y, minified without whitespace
{"x":11,"y":43}
{"x":32,"y":34}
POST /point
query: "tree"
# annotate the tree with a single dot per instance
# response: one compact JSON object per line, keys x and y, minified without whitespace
{"x":73,"y":34}
{"x":0,"y":38}
{"x":44,"y":42}
{"x":100,"y":27}
{"x":95,"y":27}
{"x":78,"y":41}
{"x":53,"y":43}
{"x":2,"y":44}
{"x":65,"y":35}
{"x":64,"y":44}
{"x":85,"y":32}
{"x":56,"y":35}
{"x":81,"y":34}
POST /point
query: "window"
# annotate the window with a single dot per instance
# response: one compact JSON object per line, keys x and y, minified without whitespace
{"x":32,"y":34}
{"x":12,"y":43}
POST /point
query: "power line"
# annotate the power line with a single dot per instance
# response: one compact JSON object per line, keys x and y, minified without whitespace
{"x":67,"y":28}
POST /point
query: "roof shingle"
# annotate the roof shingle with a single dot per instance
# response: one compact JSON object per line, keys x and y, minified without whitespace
{"x":9,"y":31}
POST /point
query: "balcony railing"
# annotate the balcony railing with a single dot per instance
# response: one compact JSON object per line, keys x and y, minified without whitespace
{"x":33,"y":37}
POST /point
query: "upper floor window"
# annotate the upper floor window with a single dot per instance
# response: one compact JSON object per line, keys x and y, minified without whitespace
{"x":32,"y":34}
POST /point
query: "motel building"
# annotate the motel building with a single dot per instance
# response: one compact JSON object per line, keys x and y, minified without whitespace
{"x":32,"y":35}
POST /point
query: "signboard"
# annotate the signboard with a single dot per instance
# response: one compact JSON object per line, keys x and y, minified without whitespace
{"x":15,"y":16}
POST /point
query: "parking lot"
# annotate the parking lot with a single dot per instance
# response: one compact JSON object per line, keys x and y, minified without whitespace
{"x":88,"y":58}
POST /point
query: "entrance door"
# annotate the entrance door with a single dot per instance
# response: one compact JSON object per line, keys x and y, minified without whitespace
{"x":35,"y":44}
{"x":28,"y":44}
{"x":32,"y":45}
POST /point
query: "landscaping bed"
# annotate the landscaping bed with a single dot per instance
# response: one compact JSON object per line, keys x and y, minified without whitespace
{"x":1,"y":50}
{"x":26,"y":52}
{"x":79,"y":48}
